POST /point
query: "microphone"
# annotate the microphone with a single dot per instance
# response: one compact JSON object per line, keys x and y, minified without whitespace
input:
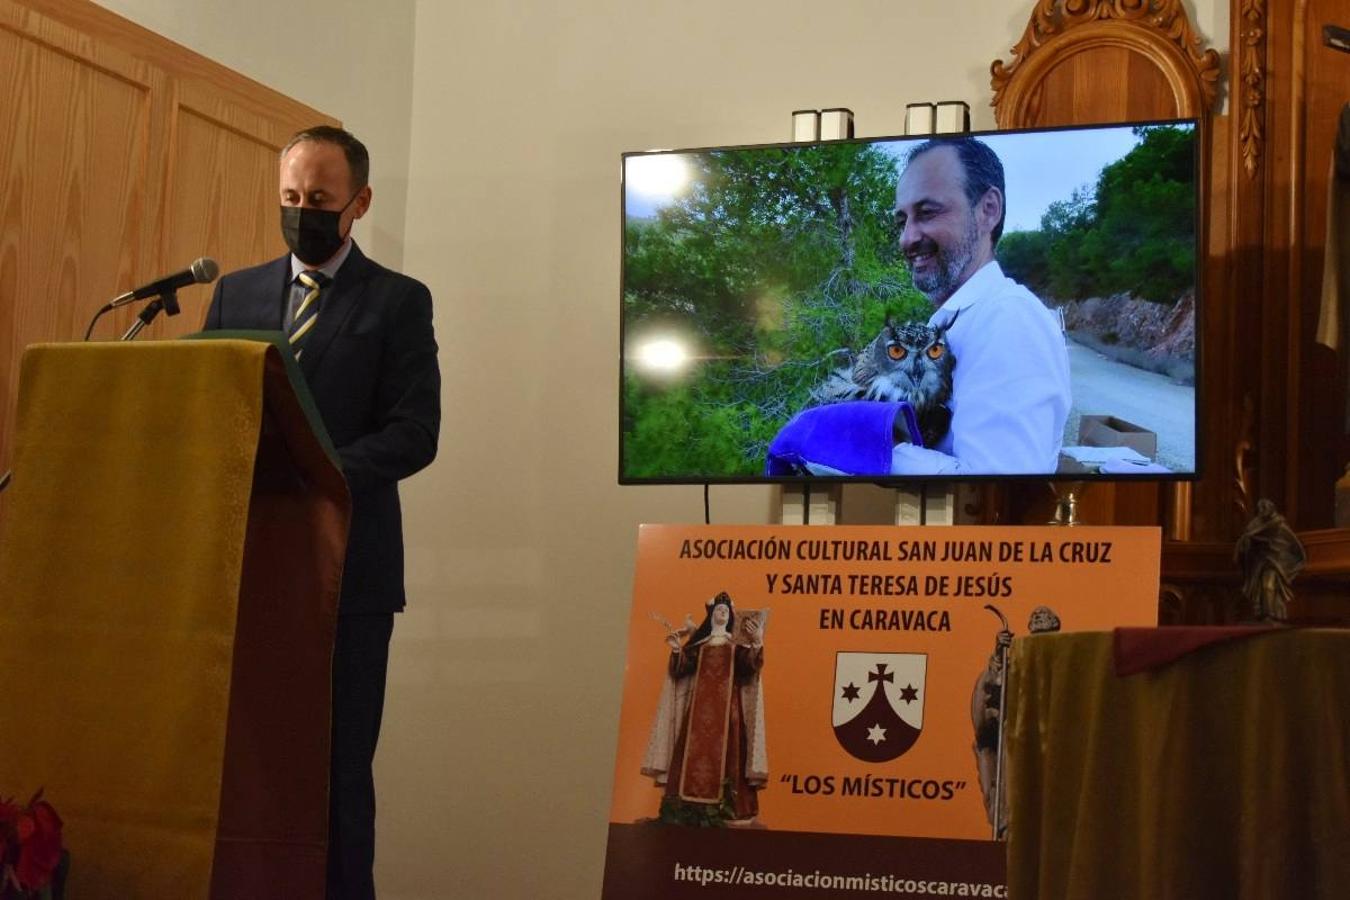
{"x":201,"y":271}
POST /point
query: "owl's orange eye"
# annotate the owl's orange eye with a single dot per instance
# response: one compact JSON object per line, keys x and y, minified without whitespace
{"x":896,"y":352}
{"x":936,"y":351}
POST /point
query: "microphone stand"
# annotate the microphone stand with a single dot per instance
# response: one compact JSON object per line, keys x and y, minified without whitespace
{"x":166,"y":302}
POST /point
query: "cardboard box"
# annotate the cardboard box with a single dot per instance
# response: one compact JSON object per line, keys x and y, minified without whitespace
{"x":1108,"y":431}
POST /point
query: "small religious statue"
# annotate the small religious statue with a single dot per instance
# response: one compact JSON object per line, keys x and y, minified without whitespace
{"x":986,"y":714}
{"x":1270,"y":556}
{"x":707,"y":749}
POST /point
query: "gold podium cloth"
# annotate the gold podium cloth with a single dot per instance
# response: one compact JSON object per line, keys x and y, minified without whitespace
{"x":164,"y":652}
{"x":1221,"y":775}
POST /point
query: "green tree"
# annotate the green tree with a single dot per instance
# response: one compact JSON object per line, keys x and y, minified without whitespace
{"x":1025,"y":255}
{"x":1134,"y":232}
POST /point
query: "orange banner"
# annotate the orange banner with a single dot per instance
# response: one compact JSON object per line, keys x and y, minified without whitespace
{"x":851,"y":685}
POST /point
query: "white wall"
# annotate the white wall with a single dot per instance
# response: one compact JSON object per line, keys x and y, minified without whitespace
{"x":504,"y":122}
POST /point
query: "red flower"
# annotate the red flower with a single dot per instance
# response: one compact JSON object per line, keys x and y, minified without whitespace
{"x":39,"y":844}
{"x":30,"y":846}
{"x":9,"y":816}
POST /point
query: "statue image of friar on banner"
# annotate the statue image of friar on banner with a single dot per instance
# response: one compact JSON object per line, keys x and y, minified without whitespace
{"x":707,"y":748}
{"x":987,"y":704}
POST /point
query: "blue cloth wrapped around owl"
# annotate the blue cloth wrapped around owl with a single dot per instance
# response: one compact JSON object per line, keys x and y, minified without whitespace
{"x":895,"y":392}
{"x":851,"y":438}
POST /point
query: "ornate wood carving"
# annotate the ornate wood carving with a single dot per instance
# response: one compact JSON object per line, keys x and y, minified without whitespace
{"x":1253,"y":96}
{"x":1158,"y":30}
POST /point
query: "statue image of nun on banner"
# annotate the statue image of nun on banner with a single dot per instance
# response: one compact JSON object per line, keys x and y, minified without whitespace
{"x":707,"y":747}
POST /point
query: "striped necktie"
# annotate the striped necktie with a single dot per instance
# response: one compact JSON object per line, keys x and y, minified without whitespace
{"x":307,"y":313}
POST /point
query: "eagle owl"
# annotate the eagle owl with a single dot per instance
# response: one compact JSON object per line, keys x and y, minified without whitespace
{"x":910,"y":361}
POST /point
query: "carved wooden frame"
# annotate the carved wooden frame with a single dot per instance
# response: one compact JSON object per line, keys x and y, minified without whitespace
{"x":1158,"y":30}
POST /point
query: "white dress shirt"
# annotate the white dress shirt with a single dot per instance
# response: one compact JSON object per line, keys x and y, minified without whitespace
{"x":1010,"y":388}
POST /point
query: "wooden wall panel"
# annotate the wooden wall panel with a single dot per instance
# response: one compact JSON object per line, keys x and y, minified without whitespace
{"x":1224,"y":323}
{"x":1317,"y":402}
{"x":123,"y":157}
{"x":73,"y":155}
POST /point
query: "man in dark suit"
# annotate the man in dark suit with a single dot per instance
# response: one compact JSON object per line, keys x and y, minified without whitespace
{"x":363,"y":338}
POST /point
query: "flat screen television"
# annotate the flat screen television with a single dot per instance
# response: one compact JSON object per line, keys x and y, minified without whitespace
{"x":1013,"y":304}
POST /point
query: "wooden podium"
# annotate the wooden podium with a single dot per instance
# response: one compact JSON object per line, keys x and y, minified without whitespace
{"x":170,"y":560}
{"x":1221,"y":775}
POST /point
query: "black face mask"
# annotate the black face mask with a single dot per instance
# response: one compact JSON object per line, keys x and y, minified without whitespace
{"x":312,"y":234}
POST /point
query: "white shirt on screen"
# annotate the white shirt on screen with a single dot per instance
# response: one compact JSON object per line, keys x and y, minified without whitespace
{"x":1010,"y":388}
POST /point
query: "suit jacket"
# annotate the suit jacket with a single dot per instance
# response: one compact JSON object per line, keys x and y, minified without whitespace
{"x":370,"y":363}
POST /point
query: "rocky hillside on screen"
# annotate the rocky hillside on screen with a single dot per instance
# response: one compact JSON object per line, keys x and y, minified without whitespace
{"x":1155,"y":336}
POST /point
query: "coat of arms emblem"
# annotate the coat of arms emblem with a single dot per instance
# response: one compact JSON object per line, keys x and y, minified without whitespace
{"x":878,"y":703}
